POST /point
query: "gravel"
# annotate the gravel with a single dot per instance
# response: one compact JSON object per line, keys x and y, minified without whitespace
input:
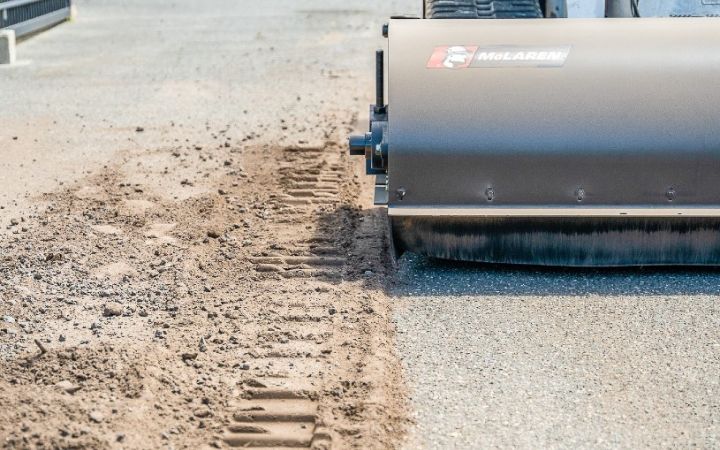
{"x":532,"y":358}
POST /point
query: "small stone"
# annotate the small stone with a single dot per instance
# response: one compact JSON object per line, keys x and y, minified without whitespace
{"x":14,"y":222}
{"x":369,"y":273}
{"x":8,"y":319}
{"x":203,"y":346}
{"x":119,"y":437}
{"x":202,"y":412}
{"x":232,"y":315}
{"x":96,"y":416}
{"x":112,"y":309}
{"x":49,"y":257}
{"x":67,"y":386}
{"x":139,"y":129}
{"x":189,"y":356}
{"x":62,"y":338}
{"x":332,"y":311}
{"x":214,"y":234}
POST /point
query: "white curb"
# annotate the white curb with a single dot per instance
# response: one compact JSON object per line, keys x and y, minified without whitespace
{"x":7,"y":47}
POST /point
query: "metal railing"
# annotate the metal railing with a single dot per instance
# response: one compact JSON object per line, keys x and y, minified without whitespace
{"x":29,"y":16}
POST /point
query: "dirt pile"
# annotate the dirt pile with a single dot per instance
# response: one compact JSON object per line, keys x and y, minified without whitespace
{"x":194,"y":297}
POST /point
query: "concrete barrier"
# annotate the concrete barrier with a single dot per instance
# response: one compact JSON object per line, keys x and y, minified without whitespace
{"x":7,"y":47}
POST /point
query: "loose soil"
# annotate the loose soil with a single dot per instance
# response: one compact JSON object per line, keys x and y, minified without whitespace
{"x":202,"y":297}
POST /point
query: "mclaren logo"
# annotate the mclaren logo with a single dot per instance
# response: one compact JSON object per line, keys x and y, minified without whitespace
{"x":521,"y":56}
{"x":463,"y":56}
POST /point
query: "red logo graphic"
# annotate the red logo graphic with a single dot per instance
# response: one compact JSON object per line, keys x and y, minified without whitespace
{"x":452,"y":57}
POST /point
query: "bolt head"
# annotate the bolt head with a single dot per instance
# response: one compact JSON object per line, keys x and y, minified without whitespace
{"x":490,"y":194}
{"x":580,"y":194}
{"x":670,"y":194}
{"x":400,"y":193}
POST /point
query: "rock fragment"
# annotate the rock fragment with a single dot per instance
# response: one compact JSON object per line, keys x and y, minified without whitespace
{"x":189,"y":356}
{"x":112,"y":310}
{"x":67,"y":387}
{"x":96,"y":416}
{"x":202,"y":412}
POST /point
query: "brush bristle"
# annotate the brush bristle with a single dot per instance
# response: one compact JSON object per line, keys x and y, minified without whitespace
{"x":573,"y":241}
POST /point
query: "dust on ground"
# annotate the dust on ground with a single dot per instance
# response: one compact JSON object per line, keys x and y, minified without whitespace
{"x":200,"y":296}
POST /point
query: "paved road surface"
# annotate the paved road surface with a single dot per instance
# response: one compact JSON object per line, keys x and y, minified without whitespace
{"x":529,"y":358}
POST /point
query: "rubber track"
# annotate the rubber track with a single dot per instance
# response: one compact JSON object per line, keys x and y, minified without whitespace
{"x":483,"y":9}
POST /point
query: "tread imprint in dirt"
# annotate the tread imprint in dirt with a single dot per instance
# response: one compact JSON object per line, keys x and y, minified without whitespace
{"x":311,"y":178}
{"x":270,"y":415}
{"x":277,"y":418}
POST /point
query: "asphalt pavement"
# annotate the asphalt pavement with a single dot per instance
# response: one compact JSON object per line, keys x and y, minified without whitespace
{"x":508,"y":357}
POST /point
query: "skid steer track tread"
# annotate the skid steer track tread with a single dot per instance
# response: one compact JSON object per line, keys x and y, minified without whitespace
{"x":483,"y":9}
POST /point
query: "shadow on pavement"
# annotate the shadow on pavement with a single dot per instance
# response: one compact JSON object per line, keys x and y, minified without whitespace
{"x":420,"y":276}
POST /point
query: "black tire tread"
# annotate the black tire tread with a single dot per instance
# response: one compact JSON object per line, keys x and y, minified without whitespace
{"x":483,"y":9}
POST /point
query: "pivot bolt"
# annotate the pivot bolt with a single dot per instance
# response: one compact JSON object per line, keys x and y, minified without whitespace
{"x":580,"y":194}
{"x":490,"y":194}
{"x":358,"y":143}
{"x":400,"y":193}
{"x":670,"y":194}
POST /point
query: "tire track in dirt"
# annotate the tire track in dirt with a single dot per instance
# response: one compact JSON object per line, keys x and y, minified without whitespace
{"x":315,"y":242}
{"x":247,"y":311}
